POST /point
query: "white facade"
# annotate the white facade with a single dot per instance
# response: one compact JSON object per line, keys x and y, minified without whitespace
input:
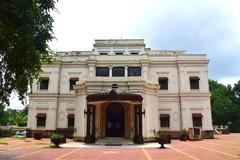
{"x":179,"y":101}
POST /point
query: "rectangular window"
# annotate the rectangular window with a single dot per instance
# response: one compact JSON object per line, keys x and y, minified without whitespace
{"x":134,"y":53}
{"x":164,"y":120}
{"x":134,"y":71}
{"x":118,"y":71}
{"x":119,"y":53}
{"x":197,"y":119}
{"x":41,"y":119}
{"x":103,"y":53}
{"x":102,"y":72}
{"x":44,"y":81}
{"x":70,"y":120}
{"x":163,"y":82}
{"x":194,"y":82}
{"x":72,"y":82}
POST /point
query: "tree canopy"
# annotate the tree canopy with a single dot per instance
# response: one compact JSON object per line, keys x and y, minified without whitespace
{"x":225,"y":103}
{"x":25,"y":30}
{"x":13,"y":117}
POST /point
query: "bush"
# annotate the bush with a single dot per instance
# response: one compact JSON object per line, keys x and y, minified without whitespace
{"x":162,"y":138}
{"x":183,"y":135}
{"x":37,"y":136}
{"x":57,"y":139}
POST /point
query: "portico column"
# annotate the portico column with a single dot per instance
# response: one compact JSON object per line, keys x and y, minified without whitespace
{"x":136,"y":135}
{"x":88,"y":134}
{"x":93,"y":107}
{"x":140,"y":124}
{"x":138,"y":138}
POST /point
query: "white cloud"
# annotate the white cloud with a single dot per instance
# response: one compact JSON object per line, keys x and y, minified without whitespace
{"x":229,"y":80}
{"x":198,"y":25}
{"x":15,"y":103}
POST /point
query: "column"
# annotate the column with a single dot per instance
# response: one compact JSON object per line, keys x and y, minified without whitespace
{"x":140,"y":124}
{"x":136,"y":135}
{"x":110,"y":71}
{"x":138,"y":138}
{"x":93,"y":115}
{"x":88,"y":135}
{"x":126,"y":71}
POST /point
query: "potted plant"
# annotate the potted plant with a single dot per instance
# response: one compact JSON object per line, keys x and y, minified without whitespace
{"x":37,"y":136}
{"x":57,"y":139}
{"x":162,"y":138}
{"x":183,"y":135}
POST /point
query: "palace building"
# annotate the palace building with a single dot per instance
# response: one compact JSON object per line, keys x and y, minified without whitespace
{"x":121,"y":89}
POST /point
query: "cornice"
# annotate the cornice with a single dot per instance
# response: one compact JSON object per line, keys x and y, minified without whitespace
{"x":191,"y":94}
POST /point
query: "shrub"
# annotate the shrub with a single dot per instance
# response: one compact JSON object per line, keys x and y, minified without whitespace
{"x":162,"y":137}
{"x":57,"y":139}
{"x":37,"y":136}
{"x":183,"y":135}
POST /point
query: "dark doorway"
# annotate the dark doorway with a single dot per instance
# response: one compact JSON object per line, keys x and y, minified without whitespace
{"x":115,"y":120}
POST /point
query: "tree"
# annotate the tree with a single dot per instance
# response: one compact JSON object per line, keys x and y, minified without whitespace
{"x":220,"y":102}
{"x":20,"y":119}
{"x":225,"y":104}
{"x":3,"y":116}
{"x":25,"y":30}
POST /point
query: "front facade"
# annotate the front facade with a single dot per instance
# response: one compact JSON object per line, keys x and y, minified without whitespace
{"x":121,"y":89}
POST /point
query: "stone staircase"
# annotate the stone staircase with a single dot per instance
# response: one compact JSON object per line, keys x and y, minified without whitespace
{"x":114,"y":141}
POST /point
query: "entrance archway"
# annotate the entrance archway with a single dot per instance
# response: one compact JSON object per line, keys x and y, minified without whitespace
{"x":115,"y":120}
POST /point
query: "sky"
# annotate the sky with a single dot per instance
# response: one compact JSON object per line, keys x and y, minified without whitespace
{"x":211,"y":27}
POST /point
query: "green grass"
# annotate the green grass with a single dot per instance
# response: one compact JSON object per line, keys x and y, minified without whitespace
{"x":19,"y":137}
{"x":3,"y":143}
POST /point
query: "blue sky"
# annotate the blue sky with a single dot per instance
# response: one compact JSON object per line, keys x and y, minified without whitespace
{"x":198,"y":26}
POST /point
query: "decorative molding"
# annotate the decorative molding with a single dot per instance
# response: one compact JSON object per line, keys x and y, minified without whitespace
{"x":196,"y":108}
{"x":41,"y":108}
{"x":164,"y":109}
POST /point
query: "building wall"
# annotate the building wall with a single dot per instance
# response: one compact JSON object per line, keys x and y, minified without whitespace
{"x":179,"y":101}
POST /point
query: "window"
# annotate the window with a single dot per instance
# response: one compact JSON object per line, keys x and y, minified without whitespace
{"x":163,"y":82}
{"x":72,"y":82}
{"x":119,"y":53}
{"x":70,"y":120}
{"x":197,"y":119}
{"x":134,"y":71}
{"x":118,"y":71}
{"x":103,"y":53}
{"x":164,"y":120}
{"x":134,"y":53}
{"x":41,"y":119}
{"x":44,"y":83}
{"x":194,"y":82}
{"x":102,"y":71}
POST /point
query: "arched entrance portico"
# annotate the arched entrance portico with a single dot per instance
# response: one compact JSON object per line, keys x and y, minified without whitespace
{"x":114,"y":126}
{"x":114,"y":117}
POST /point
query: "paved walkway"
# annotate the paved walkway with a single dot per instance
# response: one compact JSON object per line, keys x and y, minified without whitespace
{"x":83,"y":145}
{"x":223,"y":147}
